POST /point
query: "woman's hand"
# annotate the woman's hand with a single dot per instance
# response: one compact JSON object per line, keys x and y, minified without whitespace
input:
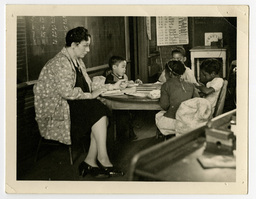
{"x":97,"y":92}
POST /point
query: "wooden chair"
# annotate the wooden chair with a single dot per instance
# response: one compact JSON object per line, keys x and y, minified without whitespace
{"x":43,"y":141}
{"x":221,"y":100}
{"x":55,"y":143}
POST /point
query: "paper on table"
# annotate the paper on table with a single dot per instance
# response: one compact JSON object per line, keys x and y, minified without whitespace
{"x":113,"y":92}
{"x":137,"y":94}
{"x":217,"y":161}
{"x":148,"y":87}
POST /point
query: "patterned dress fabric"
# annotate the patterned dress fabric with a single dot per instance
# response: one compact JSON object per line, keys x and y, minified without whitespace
{"x":56,"y":85}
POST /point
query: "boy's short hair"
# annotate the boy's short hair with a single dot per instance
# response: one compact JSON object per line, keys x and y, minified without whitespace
{"x":180,"y":50}
{"x":175,"y":67}
{"x":115,"y":60}
{"x":210,"y":65}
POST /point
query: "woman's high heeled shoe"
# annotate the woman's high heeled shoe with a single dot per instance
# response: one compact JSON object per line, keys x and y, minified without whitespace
{"x":111,"y":171}
{"x":85,"y":168}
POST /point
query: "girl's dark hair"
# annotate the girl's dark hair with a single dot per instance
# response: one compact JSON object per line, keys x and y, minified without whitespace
{"x":175,"y":67}
{"x":115,"y":60}
{"x":77,"y":34}
{"x":210,"y":65}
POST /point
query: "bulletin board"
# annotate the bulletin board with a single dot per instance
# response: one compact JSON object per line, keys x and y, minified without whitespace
{"x":172,"y":30}
{"x":40,"y":38}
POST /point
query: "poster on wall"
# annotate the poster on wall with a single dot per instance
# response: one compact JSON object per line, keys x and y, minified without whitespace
{"x":172,"y":30}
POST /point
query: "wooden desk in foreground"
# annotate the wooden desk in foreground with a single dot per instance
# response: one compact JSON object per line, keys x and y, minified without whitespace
{"x":177,"y":159}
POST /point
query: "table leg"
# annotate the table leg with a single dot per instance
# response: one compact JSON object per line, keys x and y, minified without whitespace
{"x":193,"y":63}
{"x":111,"y":138}
{"x":198,"y":69}
{"x":224,"y":66}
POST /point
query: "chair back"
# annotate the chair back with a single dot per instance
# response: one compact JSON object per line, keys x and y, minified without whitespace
{"x":221,"y":100}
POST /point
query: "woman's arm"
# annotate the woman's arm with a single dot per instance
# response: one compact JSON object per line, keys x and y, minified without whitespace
{"x":65,"y":79}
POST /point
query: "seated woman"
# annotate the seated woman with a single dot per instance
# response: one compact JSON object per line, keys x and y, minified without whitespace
{"x":64,"y":100}
{"x":173,"y":92}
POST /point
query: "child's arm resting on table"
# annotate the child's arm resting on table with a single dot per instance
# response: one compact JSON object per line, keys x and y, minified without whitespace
{"x":116,"y":85}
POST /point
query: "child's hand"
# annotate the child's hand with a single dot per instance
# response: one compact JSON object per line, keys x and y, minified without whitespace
{"x":138,"y":81}
{"x":120,"y":84}
{"x":200,"y":84}
{"x":197,"y":86}
{"x":124,"y":84}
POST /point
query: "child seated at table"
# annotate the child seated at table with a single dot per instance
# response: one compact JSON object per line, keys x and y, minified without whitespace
{"x":211,"y":82}
{"x":116,"y":72}
{"x":178,"y":54}
{"x":173,"y":92}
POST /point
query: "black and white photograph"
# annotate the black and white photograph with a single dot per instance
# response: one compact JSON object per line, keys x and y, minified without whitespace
{"x":127,"y":99}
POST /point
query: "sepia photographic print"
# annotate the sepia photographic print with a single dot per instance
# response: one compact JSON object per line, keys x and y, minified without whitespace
{"x":126,"y":99}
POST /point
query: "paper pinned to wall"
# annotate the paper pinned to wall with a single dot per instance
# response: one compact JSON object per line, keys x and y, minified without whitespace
{"x":172,"y":30}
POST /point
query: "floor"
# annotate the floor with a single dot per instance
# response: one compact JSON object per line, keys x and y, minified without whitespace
{"x":53,"y":161}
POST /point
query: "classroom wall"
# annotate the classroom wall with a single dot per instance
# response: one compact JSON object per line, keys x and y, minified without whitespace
{"x":197,"y":27}
{"x":41,"y":38}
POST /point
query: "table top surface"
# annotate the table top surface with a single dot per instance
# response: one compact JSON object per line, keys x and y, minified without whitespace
{"x":186,"y":167}
{"x":143,"y":89}
{"x":128,"y":98}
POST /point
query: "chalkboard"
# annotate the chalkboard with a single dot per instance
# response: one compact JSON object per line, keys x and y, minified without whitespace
{"x":40,"y":38}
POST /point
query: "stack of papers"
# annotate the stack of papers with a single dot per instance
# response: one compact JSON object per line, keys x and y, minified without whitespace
{"x":113,"y":92}
{"x":137,"y":94}
{"x":148,"y":87}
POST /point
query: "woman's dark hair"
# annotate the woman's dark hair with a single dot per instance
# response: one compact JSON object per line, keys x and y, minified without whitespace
{"x":210,"y":65}
{"x":115,"y":60}
{"x":175,"y":67}
{"x":77,"y":34}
